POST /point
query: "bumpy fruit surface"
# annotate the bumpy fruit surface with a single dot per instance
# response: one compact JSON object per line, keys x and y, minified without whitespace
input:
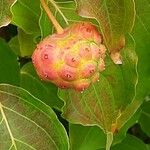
{"x":72,"y":59}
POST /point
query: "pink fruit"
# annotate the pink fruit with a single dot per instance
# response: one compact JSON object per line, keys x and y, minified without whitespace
{"x":72,"y":59}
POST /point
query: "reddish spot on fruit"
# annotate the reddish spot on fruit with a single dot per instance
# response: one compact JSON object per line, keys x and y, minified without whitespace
{"x":85,"y":52}
{"x":89,"y":69}
{"x":72,"y":59}
{"x":96,"y":52}
{"x":46,"y":75}
{"x":68,"y":73}
{"x":88,"y":30}
{"x":87,"y":49}
{"x":45,"y":56}
{"x":67,"y":47}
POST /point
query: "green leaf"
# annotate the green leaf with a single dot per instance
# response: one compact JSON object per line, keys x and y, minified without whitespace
{"x":27,"y":45}
{"x":116,"y":18}
{"x":148,"y":146}
{"x":141,"y":34}
{"x":103,"y":103}
{"x":47,"y":92}
{"x":145,"y":118}
{"x":130,"y":143}
{"x":23,"y":44}
{"x":26,"y":15}
{"x":5,"y":14}
{"x":90,"y":138}
{"x":93,"y":137}
{"x":9,"y":67}
{"x":14,"y":45}
{"x":27,"y":123}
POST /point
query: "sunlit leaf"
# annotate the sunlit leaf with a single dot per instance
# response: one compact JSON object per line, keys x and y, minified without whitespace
{"x":116,"y":18}
{"x":94,"y":138}
{"x":27,"y":123}
{"x":5,"y":14}
{"x":130,"y":143}
{"x":141,"y":35}
{"x":26,"y":15}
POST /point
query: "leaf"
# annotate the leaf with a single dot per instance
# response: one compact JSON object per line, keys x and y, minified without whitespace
{"x":130,"y":143}
{"x":89,"y":138}
{"x":47,"y":92}
{"x":148,"y":146}
{"x":141,"y":35}
{"x":65,"y":13}
{"x":27,"y":45}
{"x":26,"y":15}
{"x":14,"y":45}
{"x":5,"y":14}
{"x":145,"y":118}
{"x":93,"y":137}
{"x":103,"y":103}
{"x":9,"y":67}
{"x":115,"y":17}
{"x":27,"y":123}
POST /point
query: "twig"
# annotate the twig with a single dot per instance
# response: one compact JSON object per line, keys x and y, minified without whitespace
{"x":57,"y":26}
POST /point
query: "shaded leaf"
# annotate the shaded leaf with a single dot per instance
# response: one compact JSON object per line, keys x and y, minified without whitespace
{"x":26,"y":42}
{"x":5,"y":14}
{"x":145,"y":118}
{"x":47,"y":92}
{"x":14,"y":45}
{"x":116,"y":18}
{"x":9,"y":67}
{"x":27,"y":123}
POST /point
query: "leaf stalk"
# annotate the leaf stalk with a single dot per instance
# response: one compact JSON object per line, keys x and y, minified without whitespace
{"x":109,"y":140}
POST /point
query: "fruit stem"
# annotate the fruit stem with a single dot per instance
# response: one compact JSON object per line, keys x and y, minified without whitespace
{"x":57,"y":26}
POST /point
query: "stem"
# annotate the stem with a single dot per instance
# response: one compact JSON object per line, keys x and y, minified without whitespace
{"x":57,"y":26}
{"x":109,"y":140}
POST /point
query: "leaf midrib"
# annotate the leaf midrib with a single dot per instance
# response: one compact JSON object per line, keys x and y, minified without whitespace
{"x":7,"y":126}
